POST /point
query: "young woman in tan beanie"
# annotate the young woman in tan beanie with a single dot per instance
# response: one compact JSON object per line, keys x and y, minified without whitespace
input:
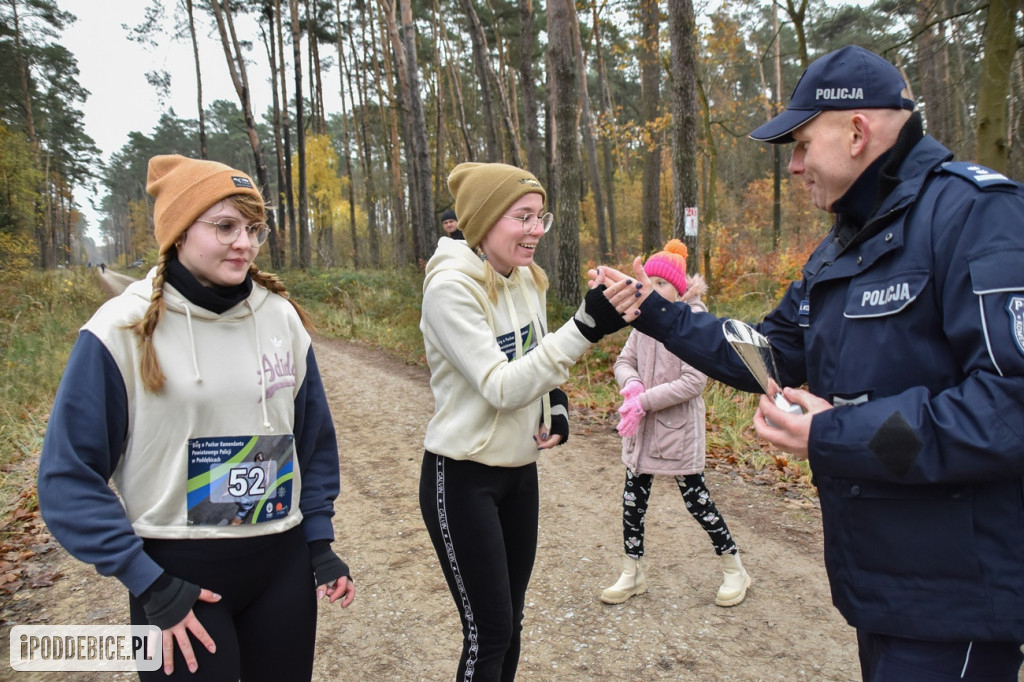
{"x":494,"y":373}
{"x":197,"y":391}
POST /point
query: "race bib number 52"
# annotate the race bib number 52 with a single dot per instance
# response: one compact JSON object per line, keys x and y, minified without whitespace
{"x":239,"y":480}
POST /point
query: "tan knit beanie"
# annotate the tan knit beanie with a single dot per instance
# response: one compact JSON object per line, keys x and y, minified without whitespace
{"x":484,"y":191}
{"x":185,"y":188}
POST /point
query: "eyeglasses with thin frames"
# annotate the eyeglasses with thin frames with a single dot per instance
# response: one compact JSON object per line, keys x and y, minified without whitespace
{"x":531,"y":221}
{"x":227,"y":231}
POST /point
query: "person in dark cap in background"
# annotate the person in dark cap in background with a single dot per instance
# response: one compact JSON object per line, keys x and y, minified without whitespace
{"x":908,"y":330}
{"x":450,"y":225}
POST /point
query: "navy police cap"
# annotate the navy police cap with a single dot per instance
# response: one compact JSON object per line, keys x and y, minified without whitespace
{"x":849,"y":78}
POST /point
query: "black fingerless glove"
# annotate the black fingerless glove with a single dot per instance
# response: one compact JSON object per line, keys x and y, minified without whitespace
{"x":168,"y":600}
{"x":327,"y":567}
{"x":597,"y":317}
{"x":560,"y":414}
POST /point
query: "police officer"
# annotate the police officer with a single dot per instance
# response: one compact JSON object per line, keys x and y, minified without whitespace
{"x":908,"y":330}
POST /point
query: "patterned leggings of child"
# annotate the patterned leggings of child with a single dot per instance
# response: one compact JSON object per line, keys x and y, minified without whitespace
{"x":637,"y":492}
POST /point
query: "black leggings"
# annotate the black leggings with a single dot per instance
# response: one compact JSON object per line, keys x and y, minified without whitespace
{"x":694,"y":488}
{"x":264,"y":626}
{"x":483,"y":523}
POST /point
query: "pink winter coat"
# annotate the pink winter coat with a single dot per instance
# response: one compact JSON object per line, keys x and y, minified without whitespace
{"x":670,"y":439}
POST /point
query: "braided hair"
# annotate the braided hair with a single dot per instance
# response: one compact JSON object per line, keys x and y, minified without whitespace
{"x":150,"y":372}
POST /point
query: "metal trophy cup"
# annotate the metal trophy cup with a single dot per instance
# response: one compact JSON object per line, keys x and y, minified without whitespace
{"x":756,"y":353}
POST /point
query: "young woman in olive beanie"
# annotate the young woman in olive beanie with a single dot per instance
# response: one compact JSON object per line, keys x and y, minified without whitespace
{"x":197,"y":392}
{"x":662,"y":429}
{"x":494,"y":373}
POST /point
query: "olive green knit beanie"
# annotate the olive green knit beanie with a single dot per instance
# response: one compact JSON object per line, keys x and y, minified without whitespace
{"x":484,"y":191}
{"x":185,"y":188}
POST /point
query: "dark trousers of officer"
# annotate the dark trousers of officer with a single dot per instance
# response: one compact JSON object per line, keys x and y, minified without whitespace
{"x":884,"y":658}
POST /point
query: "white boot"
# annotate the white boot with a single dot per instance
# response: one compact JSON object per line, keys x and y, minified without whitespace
{"x":734,"y":583}
{"x":631,"y":582}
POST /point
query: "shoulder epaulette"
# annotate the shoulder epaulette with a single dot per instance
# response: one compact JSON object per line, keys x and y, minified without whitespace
{"x":980,"y":175}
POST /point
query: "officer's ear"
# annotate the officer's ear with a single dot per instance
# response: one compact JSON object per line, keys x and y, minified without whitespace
{"x":859,"y":134}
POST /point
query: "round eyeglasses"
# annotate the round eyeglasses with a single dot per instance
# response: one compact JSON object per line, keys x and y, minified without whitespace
{"x":531,"y":221}
{"x":227,"y":231}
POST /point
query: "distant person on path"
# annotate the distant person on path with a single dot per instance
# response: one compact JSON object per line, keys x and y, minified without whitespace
{"x":494,"y":374}
{"x":233,"y":601}
{"x":103,"y":268}
{"x":662,"y":428}
{"x":450,"y":225}
{"x":908,"y":329}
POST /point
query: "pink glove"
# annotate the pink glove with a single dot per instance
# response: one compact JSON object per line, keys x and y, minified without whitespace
{"x":632,"y":390}
{"x":631,"y":411}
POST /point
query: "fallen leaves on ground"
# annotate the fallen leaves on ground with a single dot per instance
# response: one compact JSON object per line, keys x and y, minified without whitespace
{"x":23,"y":537}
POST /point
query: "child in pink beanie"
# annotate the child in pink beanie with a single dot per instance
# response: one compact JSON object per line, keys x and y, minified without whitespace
{"x":654,"y":380}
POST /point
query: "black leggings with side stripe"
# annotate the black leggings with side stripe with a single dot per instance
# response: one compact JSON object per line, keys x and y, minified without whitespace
{"x":482,"y":521}
{"x":264,"y":626}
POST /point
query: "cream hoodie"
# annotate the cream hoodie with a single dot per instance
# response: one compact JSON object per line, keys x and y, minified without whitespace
{"x":247,"y":363}
{"x":487,"y":401}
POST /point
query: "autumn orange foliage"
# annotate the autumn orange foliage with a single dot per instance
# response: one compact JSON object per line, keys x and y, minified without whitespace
{"x":743,"y":260}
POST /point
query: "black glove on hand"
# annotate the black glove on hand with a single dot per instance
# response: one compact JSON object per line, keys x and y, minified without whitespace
{"x":327,"y":567}
{"x":560,"y":414}
{"x":597,"y":317}
{"x":168,"y":600}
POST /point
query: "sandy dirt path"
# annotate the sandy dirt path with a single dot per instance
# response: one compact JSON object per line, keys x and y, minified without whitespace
{"x":403,"y":624}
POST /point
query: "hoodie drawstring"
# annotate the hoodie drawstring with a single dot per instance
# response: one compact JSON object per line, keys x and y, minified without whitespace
{"x":192,"y":343}
{"x":259,"y":360}
{"x":546,"y":398}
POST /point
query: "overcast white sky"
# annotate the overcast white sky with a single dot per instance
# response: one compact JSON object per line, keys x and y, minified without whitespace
{"x":113,"y":69}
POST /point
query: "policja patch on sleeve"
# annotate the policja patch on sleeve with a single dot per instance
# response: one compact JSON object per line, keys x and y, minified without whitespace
{"x":1015,"y":307}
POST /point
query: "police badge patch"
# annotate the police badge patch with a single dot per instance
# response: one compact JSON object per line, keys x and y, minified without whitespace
{"x":1015,"y":307}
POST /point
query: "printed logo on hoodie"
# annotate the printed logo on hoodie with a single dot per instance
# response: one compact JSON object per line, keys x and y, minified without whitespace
{"x":278,"y":372}
{"x":507,"y":342}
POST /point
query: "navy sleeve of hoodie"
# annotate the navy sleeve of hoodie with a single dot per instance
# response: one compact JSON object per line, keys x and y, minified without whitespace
{"x":317,"y":449}
{"x":84,"y":442}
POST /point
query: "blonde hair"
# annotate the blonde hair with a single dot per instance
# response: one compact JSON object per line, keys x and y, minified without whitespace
{"x":150,"y":372}
{"x":540,"y":278}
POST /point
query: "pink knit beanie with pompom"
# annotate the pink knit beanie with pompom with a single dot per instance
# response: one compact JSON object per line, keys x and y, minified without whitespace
{"x":669,"y":264}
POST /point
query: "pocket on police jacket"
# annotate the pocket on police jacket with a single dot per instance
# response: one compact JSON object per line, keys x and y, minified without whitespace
{"x":900,"y":532}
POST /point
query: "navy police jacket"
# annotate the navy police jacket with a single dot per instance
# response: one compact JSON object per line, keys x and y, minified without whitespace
{"x":916,"y":336}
